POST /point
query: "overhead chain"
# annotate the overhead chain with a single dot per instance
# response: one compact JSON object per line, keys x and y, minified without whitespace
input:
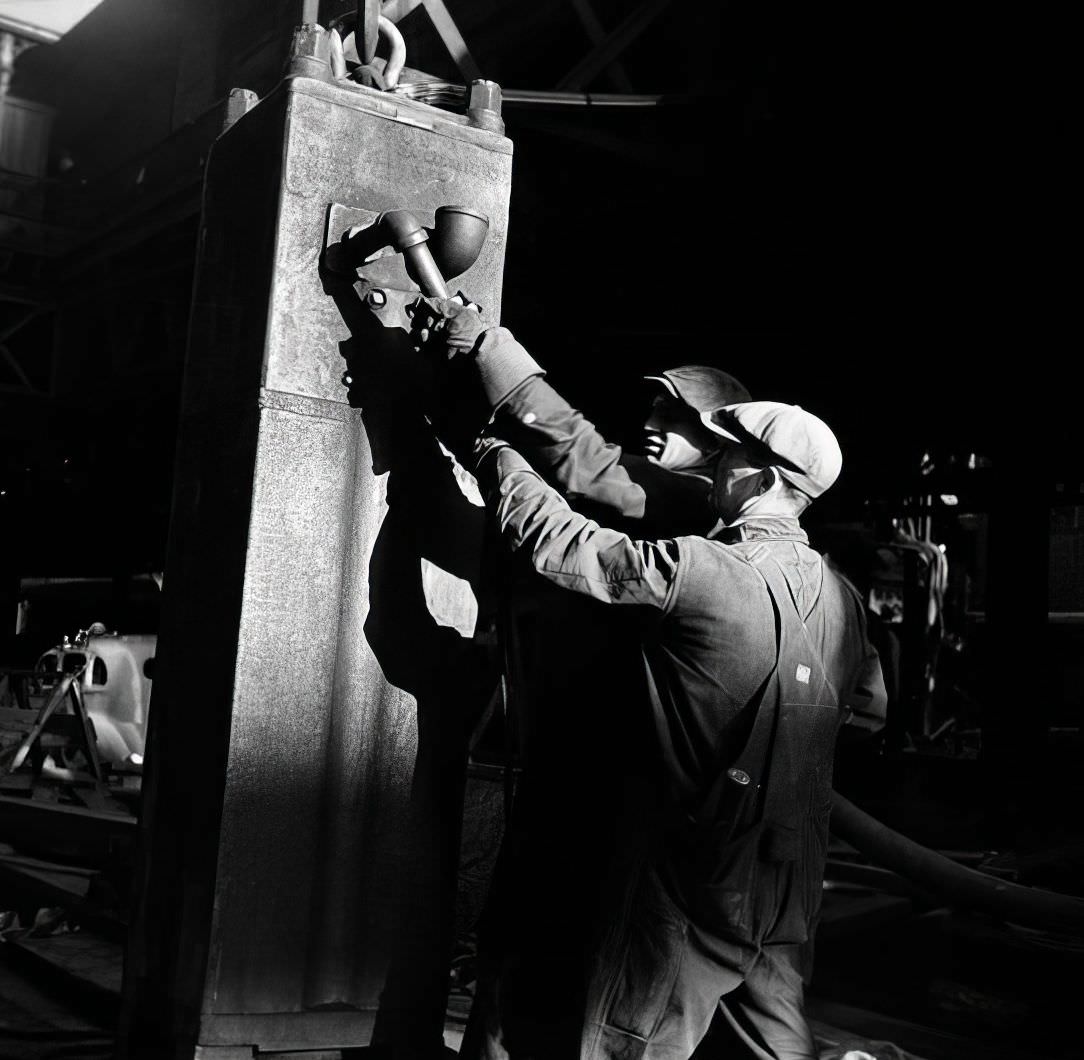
{"x":367,"y":72}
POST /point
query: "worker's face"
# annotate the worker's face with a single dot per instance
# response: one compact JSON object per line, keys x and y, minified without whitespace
{"x":740,"y":477}
{"x":675,"y":438}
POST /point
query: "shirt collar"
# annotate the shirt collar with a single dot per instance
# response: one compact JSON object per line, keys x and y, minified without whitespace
{"x":758,"y":530}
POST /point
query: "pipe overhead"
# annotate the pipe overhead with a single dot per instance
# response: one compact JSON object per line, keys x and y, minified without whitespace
{"x":530,"y":97}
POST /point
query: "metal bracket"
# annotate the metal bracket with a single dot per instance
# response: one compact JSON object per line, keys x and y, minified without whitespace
{"x":384,"y":267}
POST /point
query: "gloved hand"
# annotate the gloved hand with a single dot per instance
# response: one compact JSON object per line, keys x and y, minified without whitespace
{"x":447,"y":327}
{"x":483,"y":447}
{"x":443,"y":331}
{"x":481,"y":461}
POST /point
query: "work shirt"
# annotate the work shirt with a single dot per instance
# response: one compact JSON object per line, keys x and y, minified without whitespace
{"x":621,"y":490}
{"x":703,"y":639}
{"x":707,"y":624}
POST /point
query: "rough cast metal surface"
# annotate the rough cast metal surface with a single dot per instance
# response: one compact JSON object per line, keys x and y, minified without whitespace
{"x":307,"y":742}
{"x":383,"y":163}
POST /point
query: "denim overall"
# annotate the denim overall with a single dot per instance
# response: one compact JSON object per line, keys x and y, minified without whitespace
{"x":738,"y":888}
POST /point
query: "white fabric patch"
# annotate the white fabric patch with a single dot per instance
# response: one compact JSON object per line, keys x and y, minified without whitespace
{"x":802,"y":673}
{"x":529,"y":418}
{"x":467,"y":483}
{"x":450,"y":600}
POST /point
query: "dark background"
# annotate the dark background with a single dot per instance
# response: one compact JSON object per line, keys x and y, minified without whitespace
{"x":856,"y":209}
{"x":864,"y":209}
{"x":859,"y":209}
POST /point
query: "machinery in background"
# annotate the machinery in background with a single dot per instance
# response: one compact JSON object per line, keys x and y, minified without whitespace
{"x":73,"y":728}
{"x":908,"y":579}
{"x":112,"y":672}
{"x":116,"y":685}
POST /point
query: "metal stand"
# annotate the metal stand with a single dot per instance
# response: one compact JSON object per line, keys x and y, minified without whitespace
{"x":49,"y":723}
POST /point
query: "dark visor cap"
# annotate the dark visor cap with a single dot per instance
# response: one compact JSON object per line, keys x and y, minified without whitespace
{"x":702,"y":387}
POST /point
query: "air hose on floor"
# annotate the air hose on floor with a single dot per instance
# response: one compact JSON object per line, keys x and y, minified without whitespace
{"x":956,"y":884}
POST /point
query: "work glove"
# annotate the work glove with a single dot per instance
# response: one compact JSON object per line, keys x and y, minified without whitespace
{"x":478,"y":456}
{"x":445,"y":332}
{"x":484,"y":447}
{"x":447,"y":327}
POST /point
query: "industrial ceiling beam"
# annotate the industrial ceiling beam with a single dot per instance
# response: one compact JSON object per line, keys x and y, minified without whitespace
{"x":612,"y":46}
{"x":18,"y":323}
{"x":589,"y":20}
{"x":444,"y":24}
{"x":21,"y":319}
{"x":24,"y":295}
{"x":27,"y":30}
{"x":17,"y":369}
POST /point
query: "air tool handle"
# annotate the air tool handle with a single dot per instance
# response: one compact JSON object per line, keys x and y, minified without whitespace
{"x":455,"y":241}
{"x":409,"y":239}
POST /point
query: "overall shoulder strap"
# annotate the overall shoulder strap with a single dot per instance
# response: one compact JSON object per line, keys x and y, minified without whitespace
{"x":747,"y":767}
{"x":798,"y":677}
{"x":803,"y":675}
{"x":805,"y":718}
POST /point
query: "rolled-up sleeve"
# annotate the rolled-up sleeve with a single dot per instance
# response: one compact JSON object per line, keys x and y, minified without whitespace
{"x":569,"y":549}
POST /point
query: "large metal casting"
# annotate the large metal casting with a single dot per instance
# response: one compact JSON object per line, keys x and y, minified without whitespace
{"x":316,"y":669}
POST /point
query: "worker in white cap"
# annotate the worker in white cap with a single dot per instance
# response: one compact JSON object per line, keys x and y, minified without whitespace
{"x":782,"y":457}
{"x":755,"y":651}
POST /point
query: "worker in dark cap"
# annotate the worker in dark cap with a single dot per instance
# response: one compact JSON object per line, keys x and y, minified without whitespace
{"x":663,"y":490}
{"x":673,"y":425}
{"x":755,"y":653}
{"x":595,"y":757}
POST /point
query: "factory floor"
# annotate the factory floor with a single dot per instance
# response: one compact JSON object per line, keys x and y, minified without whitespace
{"x":896,"y":973}
{"x":900,"y":983}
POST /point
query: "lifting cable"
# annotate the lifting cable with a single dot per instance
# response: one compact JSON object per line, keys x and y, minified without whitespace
{"x":356,"y":33}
